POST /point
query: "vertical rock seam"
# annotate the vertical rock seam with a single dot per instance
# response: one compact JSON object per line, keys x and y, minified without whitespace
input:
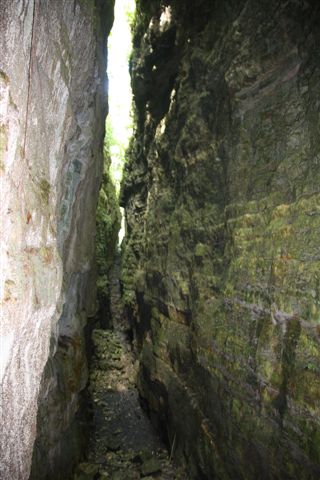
{"x":29,"y":76}
{"x":221,"y":260}
{"x":53,"y":103}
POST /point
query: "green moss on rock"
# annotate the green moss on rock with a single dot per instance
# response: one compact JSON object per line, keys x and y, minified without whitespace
{"x":108,"y":220}
{"x":223,"y":219}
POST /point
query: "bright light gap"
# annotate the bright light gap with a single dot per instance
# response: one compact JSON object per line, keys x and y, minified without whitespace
{"x":119,"y":121}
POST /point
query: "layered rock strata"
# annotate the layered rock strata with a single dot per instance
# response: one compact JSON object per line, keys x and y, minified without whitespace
{"x":221,"y":260}
{"x":53,"y":98}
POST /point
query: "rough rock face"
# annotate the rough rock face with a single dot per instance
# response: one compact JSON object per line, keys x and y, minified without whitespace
{"x":108,"y":225}
{"x":52,"y":110}
{"x":221,"y":262}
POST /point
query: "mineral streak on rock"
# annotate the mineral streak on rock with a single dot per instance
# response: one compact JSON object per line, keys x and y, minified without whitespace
{"x":221,"y":262}
{"x":52,"y":109}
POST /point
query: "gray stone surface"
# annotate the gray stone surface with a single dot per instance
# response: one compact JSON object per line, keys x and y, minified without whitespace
{"x":53,"y":91}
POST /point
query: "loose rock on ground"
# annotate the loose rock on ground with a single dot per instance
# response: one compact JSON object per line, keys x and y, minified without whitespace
{"x":124,"y":445}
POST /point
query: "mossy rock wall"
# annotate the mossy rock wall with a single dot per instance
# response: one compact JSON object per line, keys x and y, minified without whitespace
{"x":221,"y":261}
{"x":108,"y":226}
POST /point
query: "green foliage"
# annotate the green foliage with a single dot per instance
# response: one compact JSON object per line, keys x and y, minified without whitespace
{"x":117,"y":155}
{"x":119,"y":122}
{"x":312,"y":366}
{"x":108,"y":222}
{"x":109,"y":139}
{"x":130,"y":12}
{"x":118,"y":131}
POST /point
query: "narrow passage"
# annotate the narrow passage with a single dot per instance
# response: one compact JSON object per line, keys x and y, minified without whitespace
{"x":124,"y":444}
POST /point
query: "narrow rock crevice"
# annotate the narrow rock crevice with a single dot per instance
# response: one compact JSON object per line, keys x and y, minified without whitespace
{"x":123,"y":443}
{"x":209,"y":317}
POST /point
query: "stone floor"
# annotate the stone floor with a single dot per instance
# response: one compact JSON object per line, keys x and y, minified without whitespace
{"x":123,"y":444}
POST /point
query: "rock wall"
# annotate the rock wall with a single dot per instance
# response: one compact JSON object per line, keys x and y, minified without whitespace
{"x":108,"y":226}
{"x":53,"y":102}
{"x":221,"y":260}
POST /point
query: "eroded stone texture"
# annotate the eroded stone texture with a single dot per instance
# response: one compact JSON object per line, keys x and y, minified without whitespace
{"x":221,"y":262}
{"x":53,"y":104}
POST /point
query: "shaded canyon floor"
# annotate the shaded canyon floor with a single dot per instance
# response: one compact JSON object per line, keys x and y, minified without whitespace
{"x":123,"y":443}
